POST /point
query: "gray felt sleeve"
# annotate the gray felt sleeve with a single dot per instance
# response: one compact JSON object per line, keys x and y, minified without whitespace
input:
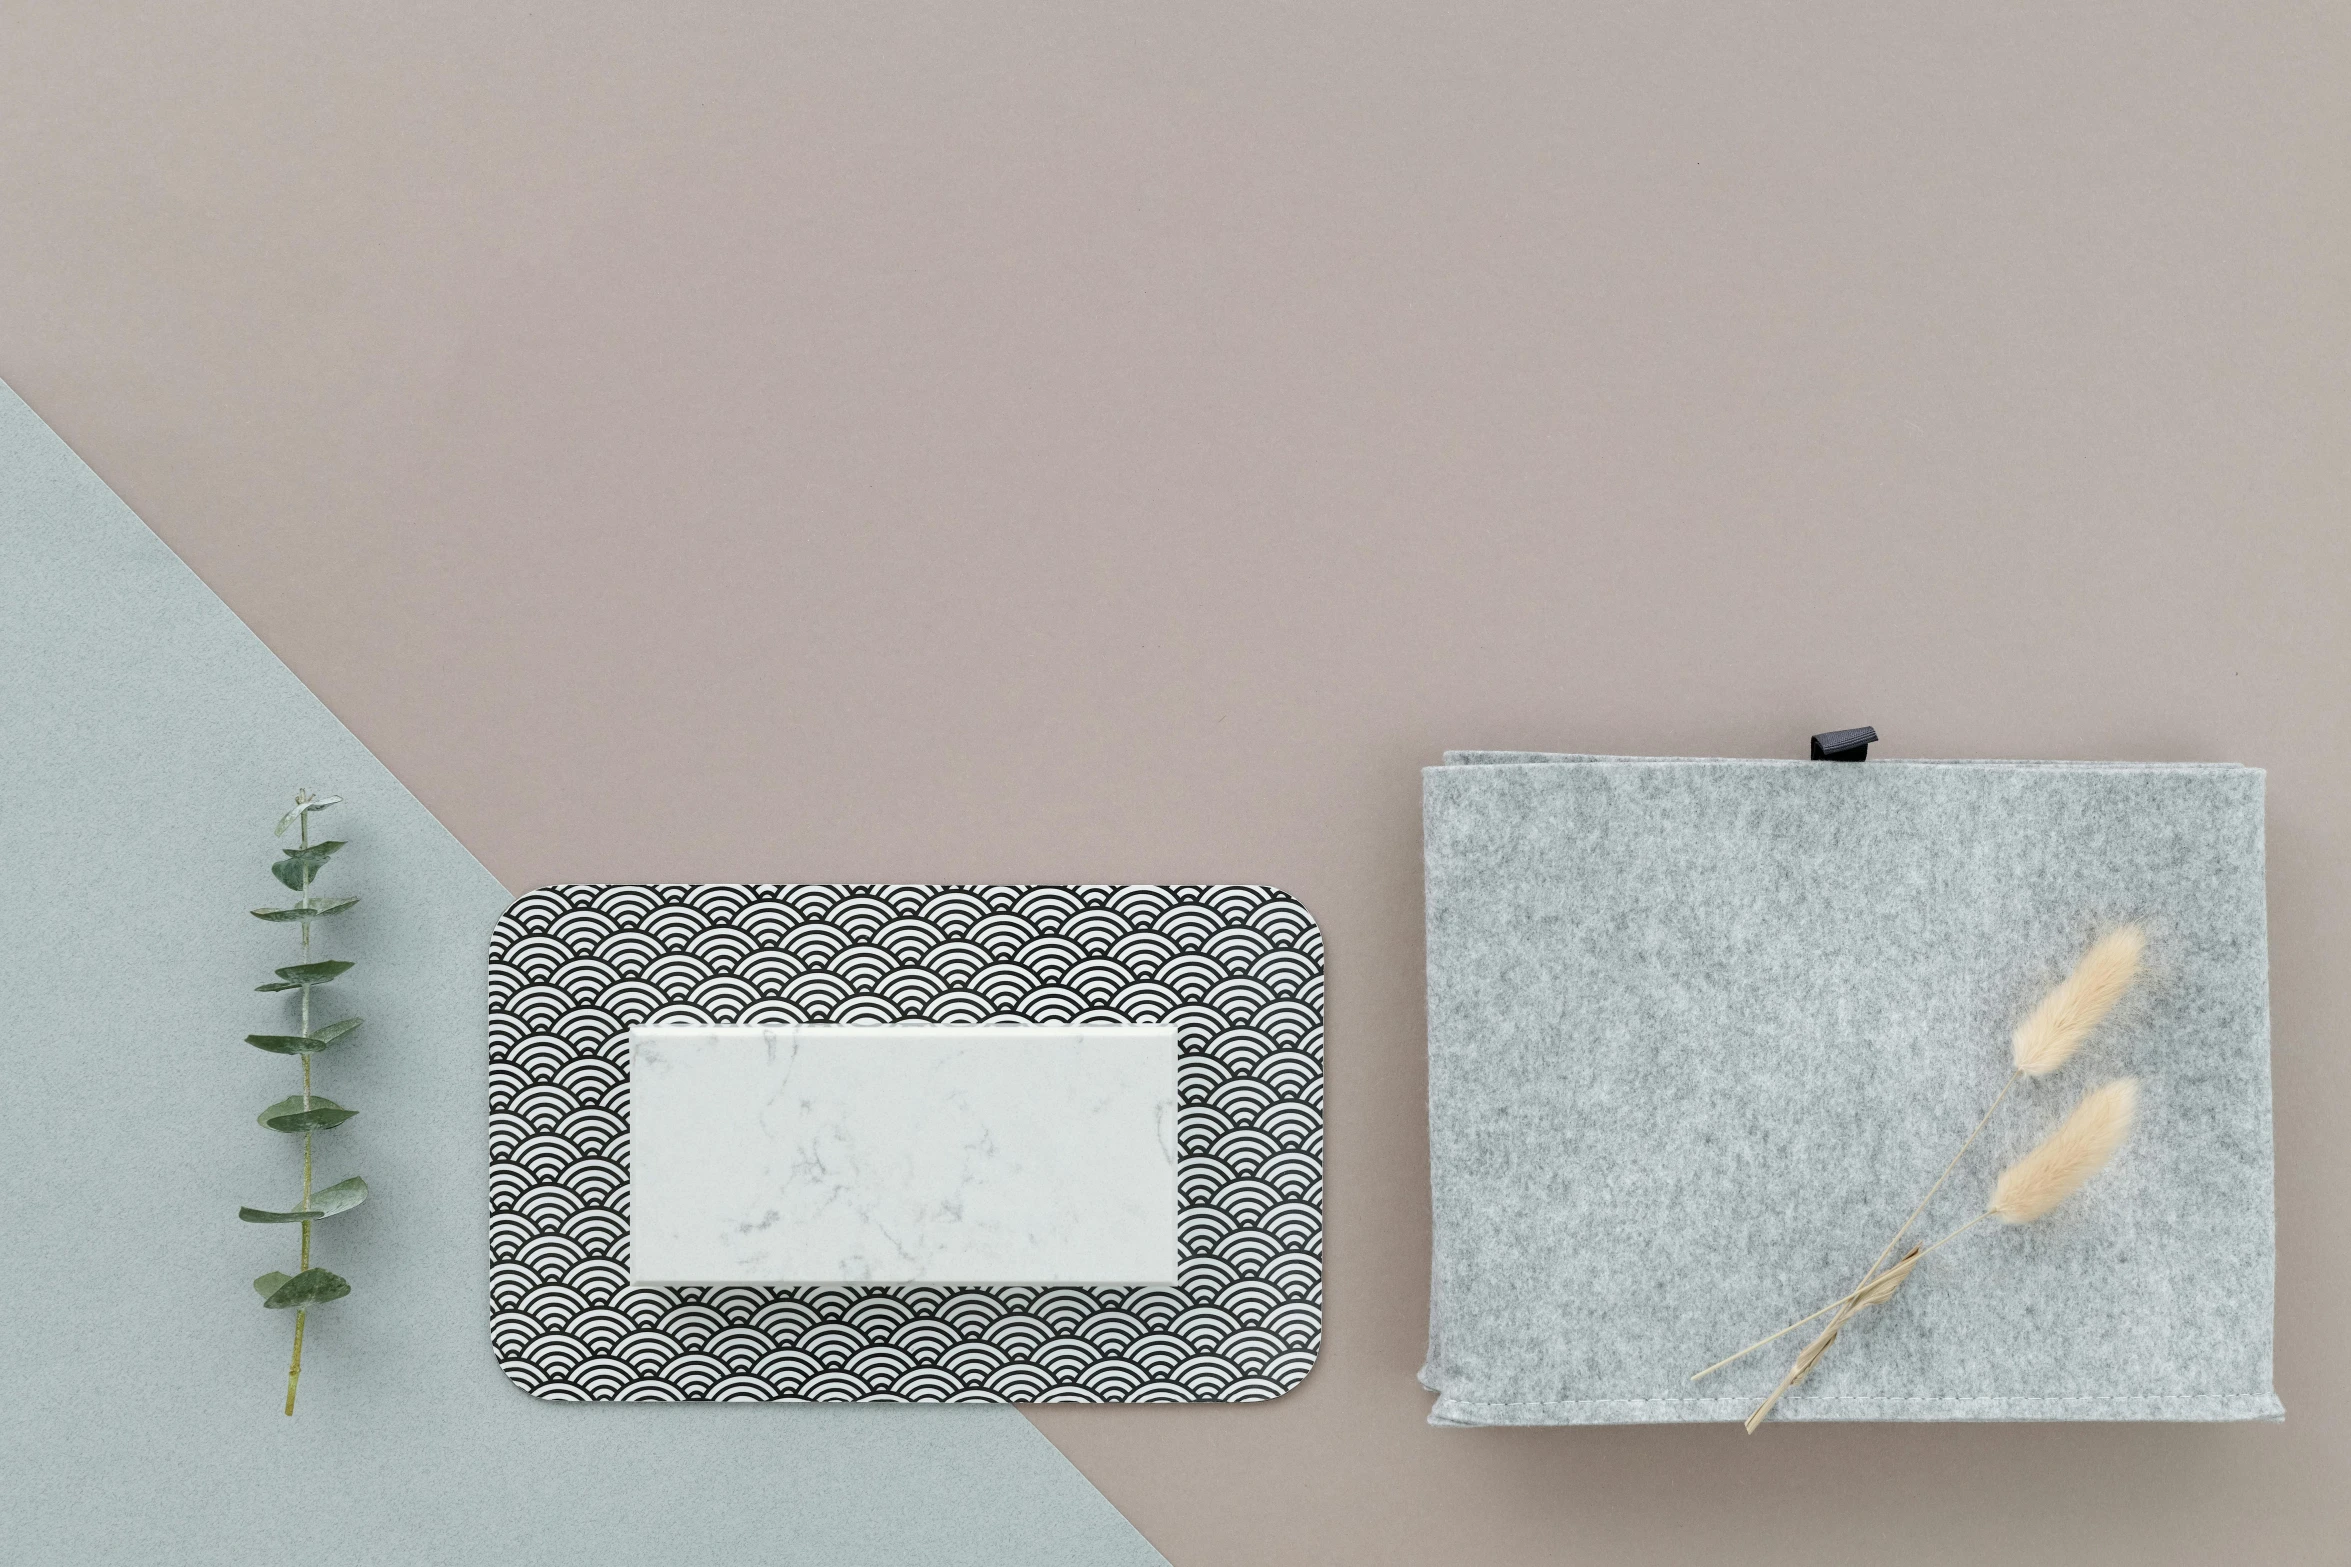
{"x":1702,"y":1031}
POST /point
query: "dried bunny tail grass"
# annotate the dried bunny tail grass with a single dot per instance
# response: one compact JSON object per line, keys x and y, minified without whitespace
{"x":2047,"y":1038}
{"x":2077,"y":1150}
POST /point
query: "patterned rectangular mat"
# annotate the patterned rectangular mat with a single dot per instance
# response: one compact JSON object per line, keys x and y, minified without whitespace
{"x":1237,"y":969}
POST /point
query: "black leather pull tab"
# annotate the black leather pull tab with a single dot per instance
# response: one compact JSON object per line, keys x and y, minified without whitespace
{"x":1843,"y":745}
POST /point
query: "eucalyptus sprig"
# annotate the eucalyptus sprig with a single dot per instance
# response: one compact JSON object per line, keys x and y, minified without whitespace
{"x":306,"y":1113}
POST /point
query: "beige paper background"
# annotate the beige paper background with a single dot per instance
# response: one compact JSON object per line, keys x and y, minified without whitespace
{"x":1074,"y":441}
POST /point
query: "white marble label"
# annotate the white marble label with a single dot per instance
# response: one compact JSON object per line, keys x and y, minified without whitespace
{"x":890,"y":1155}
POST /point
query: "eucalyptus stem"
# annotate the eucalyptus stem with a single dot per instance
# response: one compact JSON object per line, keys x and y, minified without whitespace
{"x":308,"y":1112}
{"x":302,"y":1313}
{"x":294,"y":1371}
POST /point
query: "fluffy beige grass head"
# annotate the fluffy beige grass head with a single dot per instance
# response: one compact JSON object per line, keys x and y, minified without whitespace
{"x":2055,"y":1029}
{"x":2077,"y":1150}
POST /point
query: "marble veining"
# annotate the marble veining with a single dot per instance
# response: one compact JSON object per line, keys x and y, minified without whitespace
{"x":987,"y":1154}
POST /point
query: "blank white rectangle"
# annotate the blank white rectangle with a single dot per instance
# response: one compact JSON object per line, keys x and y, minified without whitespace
{"x":885,"y":1154}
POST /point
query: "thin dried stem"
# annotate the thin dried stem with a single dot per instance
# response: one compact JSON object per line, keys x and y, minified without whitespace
{"x":2049,"y":1036}
{"x":1868,"y":1278}
{"x":1877,"y":1291}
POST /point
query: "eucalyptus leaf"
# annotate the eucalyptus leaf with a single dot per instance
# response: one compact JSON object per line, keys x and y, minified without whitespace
{"x":315,"y":1119}
{"x":301,"y":974}
{"x":341,"y":1197}
{"x":269,"y":1284}
{"x":304,"y":1044}
{"x":265,"y":1216}
{"x":285,"y":1044}
{"x":305,"y":808}
{"x":308,"y":1288}
{"x":287,"y":1115}
{"x":315,"y":909}
{"x":298,"y":868}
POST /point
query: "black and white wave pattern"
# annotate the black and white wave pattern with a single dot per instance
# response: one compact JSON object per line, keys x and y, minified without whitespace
{"x":1238,"y":971}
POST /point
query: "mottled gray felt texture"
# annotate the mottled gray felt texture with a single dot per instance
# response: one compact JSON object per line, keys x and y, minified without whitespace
{"x":1702,"y":1032}
{"x":147,"y":744}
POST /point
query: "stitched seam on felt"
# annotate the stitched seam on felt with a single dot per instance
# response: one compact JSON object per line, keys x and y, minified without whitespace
{"x":1865,"y":1398}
